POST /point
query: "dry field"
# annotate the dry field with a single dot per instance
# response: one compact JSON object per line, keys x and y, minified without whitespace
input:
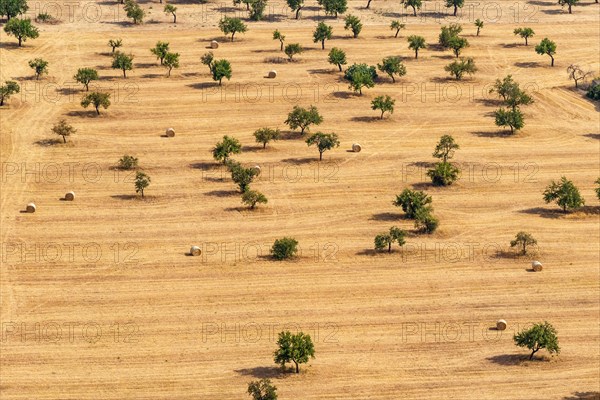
{"x":100,"y":301}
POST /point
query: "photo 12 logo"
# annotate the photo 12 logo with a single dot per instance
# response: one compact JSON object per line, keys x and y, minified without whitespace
{"x":253,"y":332}
{"x":69,"y":332}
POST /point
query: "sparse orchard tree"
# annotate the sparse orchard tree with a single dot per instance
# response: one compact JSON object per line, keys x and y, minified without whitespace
{"x":253,"y":197}
{"x":359,"y":76}
{"x":225,"y":148}
{"x":22,"y":29}
{"x":447,"y":33}
{"x":593,"y":91}
{"x":257,"y":9}
{"x":334,"y":7}
{"x":505,"y":87}
{"x":337,"y":57}
{"x":97,"y":99}
{"x":416,"y":43}
{"x":283,"y":249}
{"x":323,"y":141}
{"x":568,"y":3}
{"x":12,"y":8}
{"x":548,"y":47}
{"x":85,"y":76}
{"x":392,"y":66}
{"x":412,"y":201}
{"x":171,"y":9}
{"x":303,"y":118}
{"x":62,"y":128}
{"x":207,"y":59}
{"x":414,"y":4}
{"x":40,"y":67}
{"x":456,"y":4}
{"x":262,"y":390}
{"x":540,"y":336}
{"x":142,"y":181}
{"x":598,"y":188}
{"x":425,"y":221}
{"x":8,"y":89}
{"x":123,"y":62}
{"x":322,"y":32}
{"x":232,"y":25}
{"x":265,"y":135}
{"x":525,"y":33}
{"x":479,"y":25}
{"x":242,"y":176}
{"x":297,"y":348}
{"x":279,"y":36}
{"x":160,"y":50}
{"x":445,"y":148}
{"x":397,"y":26}
{"x":565,"y":194}
{"x":576,"y":73}
{"x":443,"y":174}
{"x":296,"y":6}
{"x":171,"y":61}
{"x":383,"y":103}
{"x":461,"y":67}
{"x":127,"y":163}
{"x":353,"y":23}
{"x":221,"y":69}
{"x":384,"y":240}
{"x":134,"y":11}
{"x":115,"y":43}
{"x":522,"y":240}
{"x":292,"y":49}
{"x":457,"y":43}
{"x":513,"y":118}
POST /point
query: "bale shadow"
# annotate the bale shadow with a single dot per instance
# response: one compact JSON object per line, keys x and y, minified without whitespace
{"x":299,"y":161}
{"x":530,"y":64}
{"x":261,"y":372}
{"x":365,"y":119}
{"x":387,"y":216}
{"x":508,"y":359}
{"x":583,"y":396}
{"x":222,"y":193}
{"x":544,"y":212}
{"x":48,"y":142}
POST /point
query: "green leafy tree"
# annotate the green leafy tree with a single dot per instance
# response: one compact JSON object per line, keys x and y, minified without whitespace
{"x":8,"y":89}
{"x":568,"y":3}
{"x":296,"y":6}
{"x":384,"y":240}
{"x":522,"y":240}
{"x":337,"y":57}
{"x":412,"y":201}
{"x":323,"y":141}
{"x":279,"y":36}
{"x":171,"y":61}
{"x":62,"y":128}
{"x":232,"y":25}
{"x":397,"y":26}
{"x":257,"y":9}
{"x":12,"y":8}
{"x":115,"y":43}
{"x":221,"y":69}
{"x":253,"y":197}
{"x":443,"y":174}
{"x":540,"y":336}
{"x":513,"y":118}
{"x":447,"y":33}
{"x":359,"y":76}
{"x":353,"y":23}
{"x":225,"y":148}
{"x":142,"y":181}
{"x":416,"y":43}
{"x":598,"y":188}
{"x":262,"y":390}
{"x":40,"y":67}
{"x":456,"y":4}
{"x":505,"y":87}
{"x":265,"y":135}
{"x":171,"y":9}
{"x":576,"y":73}
{"x":292,"y":49}
{"x":22,"y":29}
{"x":457,"y":44}
{"x":593,"y":91}
{"x":479,"y":25}
{"x":414,"y":4}
{"x":383,"y":103}
{"x":123,"y":62}
{"x":425,"y":221}
{"x":242,"y":176}
{"x":85,"y":76}
{"x":445,"y":148}
{"x":322,"y":32}
{"x":461,"y":67}
{"x":207,"y":59}
{"x":283,"y":249}
{"x":525,"y":33}
{"x":334,"y":7}
{"x":135,"y":12}
{"x":97,"y":99}
{"x":565,"y":194}
{"x":160,"y":50}
{"x":127,"y":162}
{"x":392,"y":66}
{"x":303,"y":118}
{"x":297,"y":348}
{"x":547,"y":46}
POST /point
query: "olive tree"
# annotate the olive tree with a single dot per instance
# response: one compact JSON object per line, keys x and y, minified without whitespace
{"x":257,"y":9}
{"x":142,"y":181}
{"x":416,"y":43}
{"x":262,"y":390}
{"x":565,"y":194}
{"x":568,"y":3}
{"x":253,"y":197}
{"x":97,"y":99}
{"x":303,"y":118}
{"x":513,"y":118}
{"x":414,"y":4}
{"x":221,"y":69}
{"x":265,"y":135}
{"x":160,"y":50}
{"x":296,"y":6}
{"x":397,"y":26}
{"x":323,"y":141}
{"x":115,"y":43}
{"x":123,"y":62}
{"x":62,"y":128}
{"x":40,"y":66}
{"x":334,"y":7}
{"x":359,"y":76}
{"x":134,"y":11}
{"x":392,"y":66}
{"x":447,"y":33}
{"x":576,"y":73}
{"x":12,"y":8}
{"x":232,"y":25}
{"x":170,"y":61}
{"x":8,"y":89}
{"x":412,"y":201}
{"x":22,"y":29}
{"x":127,"y":162}
{"x":225,"y":148}
{"x":283,"y":249}
{"x":522,"y":240}
{"x":539,"y":336}
{"x":292,"y":49}
{"x":85,"y":76}
{"x":445,"y":148}
{"x":444,"y":173}
{"x":337,"y":57}
{"x":456,"y":4}
{"x":525,"y":33}
{"x":458,"y":43}
{"x":383,"y":103}
{"x":479,"y":25}
{"x":171,"y":9}
{"x":548,"y":47}
{"x":297,"y":348}
{"x":322,"y":32}
{"x":353,"y":23}
{"x":241,"y":175}
{"x":279,"y":36}
{"x":384,"y":240}
{"x":461,"y":67}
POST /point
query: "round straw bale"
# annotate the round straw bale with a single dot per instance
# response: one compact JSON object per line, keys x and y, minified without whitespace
{"x":501,"y":325}
{"x":272,"y":74}
{"x":256,"y":169}
{"x":170,"y":132}
{"x":214,"y":44}
{"x":30,"y":208}
{"x":70,"y":196}
{"x":356,"y":148}
{"x":195,"y":251}
{"x":536,"y":266}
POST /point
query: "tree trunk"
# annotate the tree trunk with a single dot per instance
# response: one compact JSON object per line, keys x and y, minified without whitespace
{"x":298,"y":12}
{"x":552,"y":62}
{"x":455,"y":9}
{"x":320,"y":159}
{"x":575,"y":83}
{"x":264,"y":145}
{"x":416,"y":54}
{"x":368,"y":4}
{"x":174,"y":18}
{"x":297,"y":367}
{"x":37,"y":77}
{"x":98,"y":110}
{"x":389,"y":247}
{"x":1,"y":101}
{"x":340,"y":67}
{"x":169,"y":73}
{"x":142,"y":190}
{"x":478,"y":31}
{"x":20,"y":38}
{"x":569,"y":9}
{"x":393,"y":80}
{"x":281,"y":47}
{"x":397,"y":32}
{"x":64,"y":139}
{"x":532,"y":353}
{"x":220,"y":81}
{"x":526,"y":41}
{"x":414,"y":11}
{"x":524,"y":248}
{"x":323,"y":44}
{"x":232,"y":36}
{"x":381,"y":117}
{"x":87,"y":87}
{"x":512,"y":130}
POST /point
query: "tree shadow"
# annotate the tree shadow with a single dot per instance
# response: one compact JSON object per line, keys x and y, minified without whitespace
{"x":542,"y":3}
{"x":493,"y":134}
{"x":490,"y":102}
{"x":68,"y":91}
{"x":48,"y":142}
{"x":222,"y":193}
{"x":554,"y":12}
{"x":123,"y":24}
{"x":512,"y":45}
{"x":344,"y":95}
{"x":203,"y":85}
{"x":422,"y":164}
{"x":423,"y":185}
{"x":300,"y":161}
{"x":191,"y":74}
{"x":147,"y":65}
{"x":326,"y":71}
{"x":589,"y":210}
{"x":365,"y":119}
{"x":205,"y":165}
{"x":387,"y":216}
{"x":83,"y":114}
{"x":530,"y":64}
{"x":593,"y":135}
{"x":9,"y":45}
{"x":583,"y":396}
{"x":262,"y":372}
{"x":252,"y":148}
{"x":544,"y":212}
{"x":444,"y":57}
{"x":508,"y":359}
{"x":275,"y":60}
{"x":150,"y":76}
{"x":125,"y":196}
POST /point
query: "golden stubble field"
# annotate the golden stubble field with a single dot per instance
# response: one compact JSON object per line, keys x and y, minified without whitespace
{"x":99,"y":300}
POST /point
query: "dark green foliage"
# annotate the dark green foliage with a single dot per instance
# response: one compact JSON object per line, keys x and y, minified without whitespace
{"x":284,"y":249}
